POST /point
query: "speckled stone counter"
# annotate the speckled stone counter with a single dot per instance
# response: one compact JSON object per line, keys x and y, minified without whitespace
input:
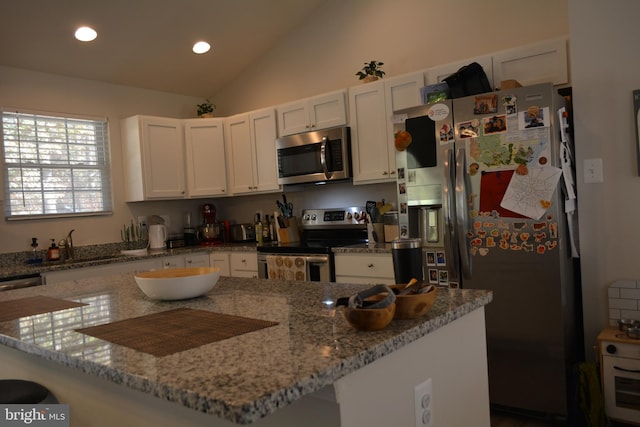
{"x":12,"y":265}
{"x":240,"y":379}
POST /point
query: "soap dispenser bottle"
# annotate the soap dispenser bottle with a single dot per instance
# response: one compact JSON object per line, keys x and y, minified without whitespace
{"x":53,"y":254}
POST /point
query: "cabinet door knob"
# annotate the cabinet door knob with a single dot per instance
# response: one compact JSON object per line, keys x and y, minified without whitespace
{"x":392,"y":173}
{"x":189,"y":261}
{"x":385,"y":173}
{"x":370,"y":265}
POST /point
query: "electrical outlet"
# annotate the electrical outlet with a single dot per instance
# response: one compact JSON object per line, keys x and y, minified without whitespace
{"x":423,"y":404}
{"x":142,"y":220}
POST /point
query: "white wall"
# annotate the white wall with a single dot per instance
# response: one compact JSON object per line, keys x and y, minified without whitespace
{"x":407,"y":35}
{"x":605,"y":72}
{"x":45,"y":92}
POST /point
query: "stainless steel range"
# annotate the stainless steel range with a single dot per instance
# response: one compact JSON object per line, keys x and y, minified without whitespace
{"x":312,"y":258}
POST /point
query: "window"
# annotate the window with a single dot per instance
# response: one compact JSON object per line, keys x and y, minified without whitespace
{"x":55,"y":166}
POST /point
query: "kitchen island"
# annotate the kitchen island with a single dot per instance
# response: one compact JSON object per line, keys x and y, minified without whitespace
{"x":311,"y":368}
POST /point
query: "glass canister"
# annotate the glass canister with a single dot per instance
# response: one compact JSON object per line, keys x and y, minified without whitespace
{"x":391,"y":230}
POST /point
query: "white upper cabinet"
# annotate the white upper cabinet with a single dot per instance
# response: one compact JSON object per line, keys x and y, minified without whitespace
{"x":263,"y":137}
{"x":318,"y":112}
{"x":206,"y":162}
{"x":403,"y":92}
{"x":537,"y":63}
{"x":251,"y":152}
{"x":543,"y":62}
{"x":369,"y":144}
{"x":153,"y":157}
{"x":371,"y":107}
{"x":438,"y":74}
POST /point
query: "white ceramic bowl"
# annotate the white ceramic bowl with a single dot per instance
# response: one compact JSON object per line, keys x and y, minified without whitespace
{"x":177,"y":283}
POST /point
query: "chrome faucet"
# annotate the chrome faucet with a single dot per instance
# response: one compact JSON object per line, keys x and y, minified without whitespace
{"x":68,"y":245}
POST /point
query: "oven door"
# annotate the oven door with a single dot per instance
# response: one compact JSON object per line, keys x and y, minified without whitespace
{"x":318,"y":268}
{"x":314,"y":156}
{"x":621,"y":377}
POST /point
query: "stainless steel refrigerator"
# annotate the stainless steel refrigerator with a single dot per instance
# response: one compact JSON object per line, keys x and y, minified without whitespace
{"x":487,"y":182}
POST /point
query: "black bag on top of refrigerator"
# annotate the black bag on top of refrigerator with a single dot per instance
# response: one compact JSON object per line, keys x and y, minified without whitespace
{"x":468,"y":80}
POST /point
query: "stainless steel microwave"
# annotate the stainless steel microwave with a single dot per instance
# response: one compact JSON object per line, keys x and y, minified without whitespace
{"x":321,"y":155}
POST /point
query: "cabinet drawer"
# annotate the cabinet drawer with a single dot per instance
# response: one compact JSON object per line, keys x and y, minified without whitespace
{"x":221,"y":260}
{"x":364,"y":265}
{"x":244,"y":261}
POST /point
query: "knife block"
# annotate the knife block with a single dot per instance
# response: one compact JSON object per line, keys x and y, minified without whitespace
{"x":290,"y":234}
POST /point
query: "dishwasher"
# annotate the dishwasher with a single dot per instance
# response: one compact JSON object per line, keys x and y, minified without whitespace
{"x":20,"y":281}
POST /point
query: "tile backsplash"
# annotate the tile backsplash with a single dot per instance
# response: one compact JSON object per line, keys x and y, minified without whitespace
{"x":624,"y":300}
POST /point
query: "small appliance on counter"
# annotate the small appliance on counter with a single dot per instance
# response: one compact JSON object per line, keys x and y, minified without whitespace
{"x":157,"y":236}
{"x":209,"y":233}
{"x":189,"y":232}
{"x":243,"y":233}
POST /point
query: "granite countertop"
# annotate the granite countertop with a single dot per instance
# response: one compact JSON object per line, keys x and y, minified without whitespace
{"x":240,"y":379}
{"x":15,"y":265}
{"x":12,"y":266}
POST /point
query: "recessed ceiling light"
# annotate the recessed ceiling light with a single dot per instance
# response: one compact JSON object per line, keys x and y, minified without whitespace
{"x":86,"y":34}
{"x":201,"y":47}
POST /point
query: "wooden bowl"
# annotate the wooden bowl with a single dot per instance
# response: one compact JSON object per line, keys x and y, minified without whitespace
{"x":370,"y":319}
{"x":177,"y":283}
{"x":411,"y":306}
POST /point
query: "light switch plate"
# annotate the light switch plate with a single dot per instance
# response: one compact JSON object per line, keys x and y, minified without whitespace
{"x":592,"y":171}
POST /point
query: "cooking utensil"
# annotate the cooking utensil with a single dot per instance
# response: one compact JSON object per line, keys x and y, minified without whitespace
{"x":633,"y":332}
{"x":412,"y":282}
{"x":624,"y":324}
{"x":384,"y":207}
{"x":375,"y":214}
{"x":369,"y":205}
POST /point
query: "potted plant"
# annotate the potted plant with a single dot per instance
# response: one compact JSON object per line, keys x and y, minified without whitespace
{"x":206,"y":109}
{"x":371,"y":71}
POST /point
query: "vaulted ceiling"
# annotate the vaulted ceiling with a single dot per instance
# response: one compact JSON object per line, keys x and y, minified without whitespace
{"x":147,"y":43}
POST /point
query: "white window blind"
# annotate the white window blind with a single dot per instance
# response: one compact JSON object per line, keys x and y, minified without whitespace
{"x":55,"y":166}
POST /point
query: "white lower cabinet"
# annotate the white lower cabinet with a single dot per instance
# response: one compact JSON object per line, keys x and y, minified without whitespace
{"x":188,"y":260}
{"x":244,"y":264}
{"x":52,"y":277}
{"x":221,"y":260}
{"x":372,"y":268}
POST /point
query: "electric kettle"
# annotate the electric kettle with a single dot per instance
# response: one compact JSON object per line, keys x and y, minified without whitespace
{"x":157,"y":236}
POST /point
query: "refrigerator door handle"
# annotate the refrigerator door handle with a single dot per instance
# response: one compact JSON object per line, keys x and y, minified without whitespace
{"x":449,"y":217}
{"x":463,"y":222}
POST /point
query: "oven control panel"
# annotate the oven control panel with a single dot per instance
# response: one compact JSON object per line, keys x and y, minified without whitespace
{"x":614,"y":342}
{"x":333,"y":217}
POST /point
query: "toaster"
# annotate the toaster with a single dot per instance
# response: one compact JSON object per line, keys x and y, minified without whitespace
{"x":243,"y":233}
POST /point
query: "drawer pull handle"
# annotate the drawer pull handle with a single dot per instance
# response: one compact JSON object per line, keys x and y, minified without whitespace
{"x":370,"y":265}
{"x":635,"y":371}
